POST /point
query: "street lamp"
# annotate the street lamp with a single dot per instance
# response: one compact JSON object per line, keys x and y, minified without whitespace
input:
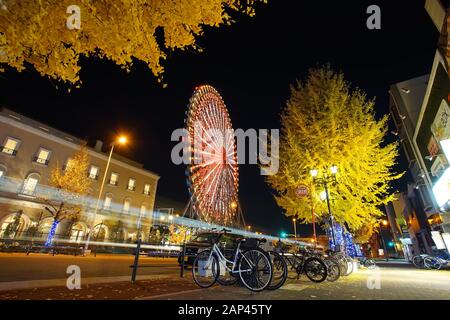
{"x":121,"y":140}
{"x":324,"y":181}
{"x":295,"y":227}
{"x":384,"y":223}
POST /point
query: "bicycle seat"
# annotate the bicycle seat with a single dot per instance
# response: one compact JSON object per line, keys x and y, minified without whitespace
{"x":263,"y":240}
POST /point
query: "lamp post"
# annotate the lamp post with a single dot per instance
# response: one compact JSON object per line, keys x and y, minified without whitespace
{"x":384,"y":223}
{"x":120,"y":140}
{"x":324,"y":181}
{"x":295,"y":228}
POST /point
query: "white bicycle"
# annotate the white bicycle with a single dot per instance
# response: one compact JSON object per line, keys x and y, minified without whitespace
{"x":249,"y":262}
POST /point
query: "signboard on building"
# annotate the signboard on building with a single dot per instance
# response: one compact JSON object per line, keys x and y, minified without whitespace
{"x":438,"y":240}
{"x":446,"y":238}
{"x":433,"y":130}
{"x":302,"y":191}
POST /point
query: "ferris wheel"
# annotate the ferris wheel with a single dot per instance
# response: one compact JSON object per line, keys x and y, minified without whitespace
{"x":212,"y":171}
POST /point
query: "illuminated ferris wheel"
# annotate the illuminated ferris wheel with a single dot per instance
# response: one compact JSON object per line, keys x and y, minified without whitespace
{"x":212,"y":170}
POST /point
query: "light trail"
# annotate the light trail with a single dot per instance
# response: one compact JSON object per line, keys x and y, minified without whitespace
{"x":11,"y":186}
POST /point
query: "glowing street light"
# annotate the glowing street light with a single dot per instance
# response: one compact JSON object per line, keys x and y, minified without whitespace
{"x":314,"y":173}
{"x":334,"y":169}
{"x":120,"y":140}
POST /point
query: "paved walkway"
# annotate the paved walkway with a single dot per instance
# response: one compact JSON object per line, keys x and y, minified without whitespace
{"x":161,"y":281}
{"x":386,"y":283}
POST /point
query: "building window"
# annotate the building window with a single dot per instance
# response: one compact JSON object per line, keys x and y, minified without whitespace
{"x":126,"y":206}
{"x":69,"y":164}
{"x":143,"y":209}
{"x":10,"y":146}
{"x":2,"y":171}
{"x":114,"y":179}
{"x":147,"y":189}
{"x":30,"y":184}
{"x":131,"y":184}
{"x":43,"y":156}
{"x":93,"y":172}
{"x":107,"y":202}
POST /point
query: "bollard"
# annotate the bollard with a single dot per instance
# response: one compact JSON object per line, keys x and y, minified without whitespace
{"x":182,"y":261}
{"x":136,"y":261}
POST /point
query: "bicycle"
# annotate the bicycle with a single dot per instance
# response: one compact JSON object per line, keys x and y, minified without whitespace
{"x":279,"y":270}
{"x":436,"y":262}
{"x":252,"y":264}
{"x":418,"y":260}
{"x":367,"y":263}
{"x":314,"y":268}
{"x":333,"y":269}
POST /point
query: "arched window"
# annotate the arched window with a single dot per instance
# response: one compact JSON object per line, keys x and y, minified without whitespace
{"x":126,"y":205}
{"x":13,"y":225}
{"x":143,"y":210}
{"x":30,"y":184}
{"x":77,"y":232}
{"x":107,"y":202}
{"x":2,"y":170}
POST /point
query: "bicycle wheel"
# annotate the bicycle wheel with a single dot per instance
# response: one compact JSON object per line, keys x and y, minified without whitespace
{"x":293,"y":267}
{"x":342,"y":266}
{"x":226,"y":277}
{"x":349,"y":265}
{"x":432,"y":263}
{"x":279,"y":271}
{"x":315,"y":269}
{"x":205,"y":269}
{"x":333,"y":271}
{"x":418,"y":261}
{"x":255,"y":269}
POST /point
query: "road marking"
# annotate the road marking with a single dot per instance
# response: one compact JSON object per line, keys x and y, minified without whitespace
{"x":294,"y":287}
{"x":165,"y":295}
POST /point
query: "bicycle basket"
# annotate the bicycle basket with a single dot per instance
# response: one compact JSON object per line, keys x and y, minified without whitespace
{"x":249,"y":243}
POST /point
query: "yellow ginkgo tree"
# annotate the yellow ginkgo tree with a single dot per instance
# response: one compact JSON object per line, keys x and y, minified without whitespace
{"x":51,"y":35}
{"x":325,"y":124}
{"x":70,"y":186}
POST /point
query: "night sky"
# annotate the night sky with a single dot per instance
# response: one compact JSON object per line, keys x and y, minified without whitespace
{"x":252,"y":64}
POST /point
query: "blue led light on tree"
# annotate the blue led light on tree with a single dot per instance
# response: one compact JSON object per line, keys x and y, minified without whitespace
{"x":51,"y":234}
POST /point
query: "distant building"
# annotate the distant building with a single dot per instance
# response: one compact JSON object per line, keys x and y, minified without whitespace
{"x":28,"y":152}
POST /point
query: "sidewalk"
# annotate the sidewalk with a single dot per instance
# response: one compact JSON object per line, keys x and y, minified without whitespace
{"x":32,"y":284}
{"x":157,"y":287}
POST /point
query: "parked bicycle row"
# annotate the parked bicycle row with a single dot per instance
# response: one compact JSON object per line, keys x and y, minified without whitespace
{"x":431,"y":262}
{"x":228,"y":259}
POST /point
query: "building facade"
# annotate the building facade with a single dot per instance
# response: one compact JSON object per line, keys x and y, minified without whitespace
{"x":30,"y":150}
{"x":420,"y":110}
